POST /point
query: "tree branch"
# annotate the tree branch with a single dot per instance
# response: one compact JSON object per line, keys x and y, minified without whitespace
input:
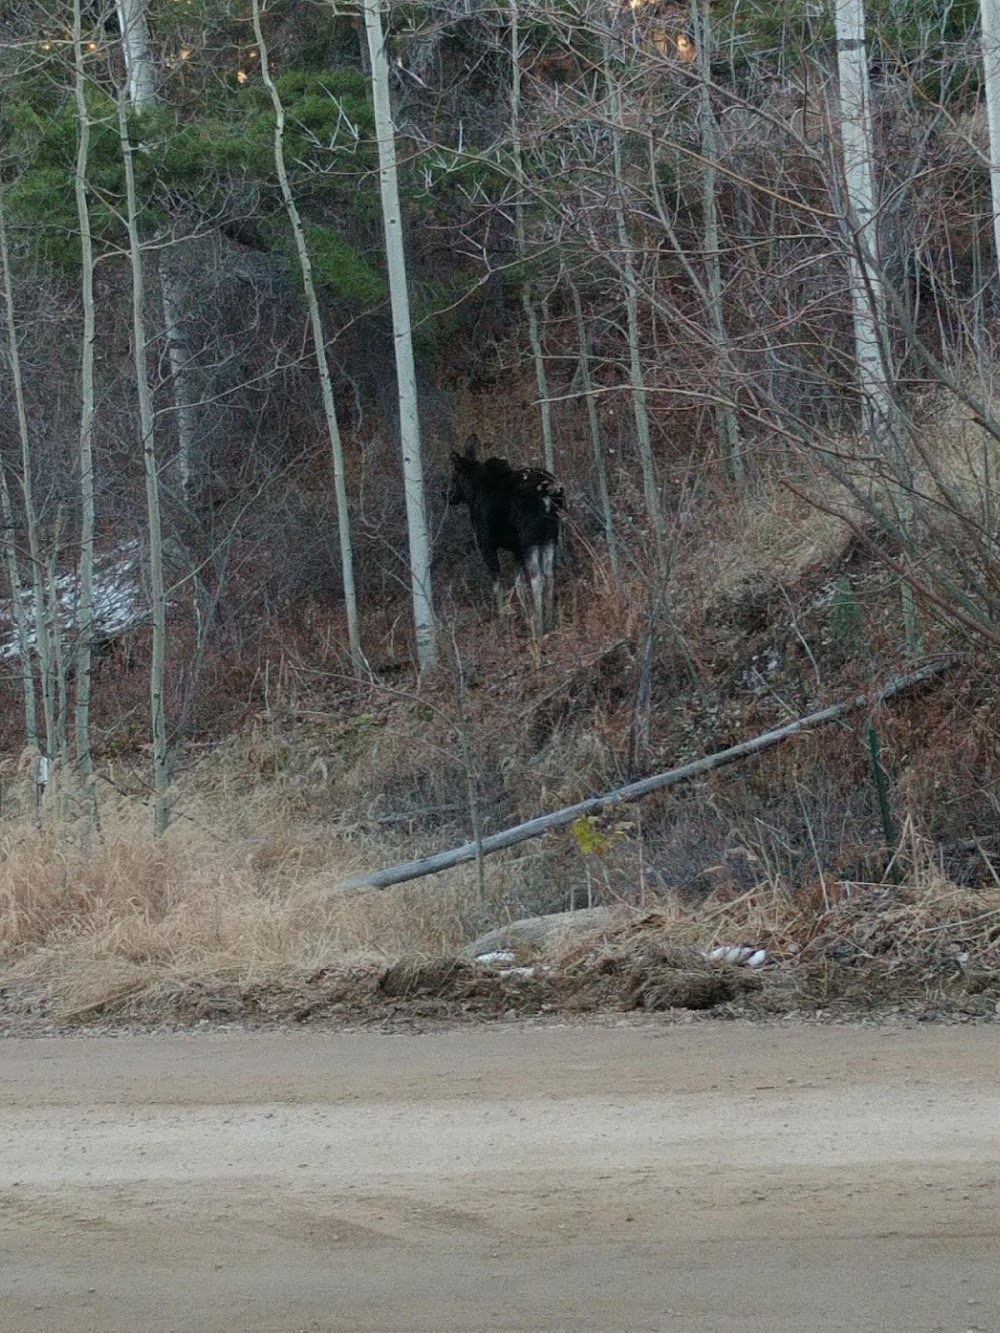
{"x":431,"y":865}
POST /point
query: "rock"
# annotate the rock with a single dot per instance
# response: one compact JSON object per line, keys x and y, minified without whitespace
{"x":535,"y":932}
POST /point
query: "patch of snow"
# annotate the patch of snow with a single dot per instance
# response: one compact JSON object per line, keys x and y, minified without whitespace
{"x":501,"y":956}
{"x":119,"y":599}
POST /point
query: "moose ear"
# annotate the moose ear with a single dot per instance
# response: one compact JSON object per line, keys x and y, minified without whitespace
{"x":472,"y":446}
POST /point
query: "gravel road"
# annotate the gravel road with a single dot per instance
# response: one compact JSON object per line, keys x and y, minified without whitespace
{"x":698,"y":1179}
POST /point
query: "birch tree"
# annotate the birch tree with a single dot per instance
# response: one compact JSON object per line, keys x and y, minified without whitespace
{"x":85,"y":604}
{"x":868,"y":303}
{"x":527,"y":298}
{"x":725,"y":416}
{"x":319,"y":347}
{"x":158,"y":599}
{"x":594,"y":429}
{"x":867,"y":293}
{"x":11,"y":553}
{"x":989,"y":11}
{"x":637,"y":381}
{"x":141,"y":84}
{"x":409,"y":421}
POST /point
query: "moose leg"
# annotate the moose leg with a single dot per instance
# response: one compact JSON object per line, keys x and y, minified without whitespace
{"x":549,"y":586}
{"x":533,"y":569}
{"x":491,"y":559}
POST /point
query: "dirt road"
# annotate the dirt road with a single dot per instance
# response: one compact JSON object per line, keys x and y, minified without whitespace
{"x":712,"y":1177}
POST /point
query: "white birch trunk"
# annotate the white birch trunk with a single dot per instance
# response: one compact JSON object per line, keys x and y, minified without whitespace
{"x":725,"y":417}
{"x":409,"y":423}
{"x":541,"y":377}
{"x":637,"y":382}
{"x":184,"y":391}
{"x":879,"y":411}
{"x":597,"y":448}
{"x":140,"y":68}
{"x":11,"y":556}
{"x":142,"y":76}
{"x":56,"y":686}
{"x":319,"y":346}
{"x":12,"y":562}
{"x":534,"y":333}
{"x":867,"y":294}
{"x":85,"y":605}
{"x":158,"y":600}
{"x":989,"y":12}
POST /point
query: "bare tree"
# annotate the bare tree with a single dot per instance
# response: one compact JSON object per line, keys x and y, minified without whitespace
{"x":85,"y":604}
{"x":594,"y":428}
{"x":158,"y":598}
{"x":141,"y":72}
{"x":867,"y":296}
{"x":879,"y":407}
{"x":725,"y":415}
{"x":409,"y":419}
{"x":989,"y":13}
{"x":11,"y":553}
{"x":527,"y":296}
{"x":319,"y":346}
{"x":626,"y":258}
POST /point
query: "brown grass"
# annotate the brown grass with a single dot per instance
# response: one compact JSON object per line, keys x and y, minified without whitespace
{"x":133,"y":916}
{"x":193,"y":928}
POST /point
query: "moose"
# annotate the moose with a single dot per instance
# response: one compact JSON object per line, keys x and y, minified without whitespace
{"x":515,"y":509}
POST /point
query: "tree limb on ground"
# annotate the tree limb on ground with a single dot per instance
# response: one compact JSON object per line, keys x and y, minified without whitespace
{"x":432,"y":865}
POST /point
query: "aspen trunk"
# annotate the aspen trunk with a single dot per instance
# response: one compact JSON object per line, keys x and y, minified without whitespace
{"x":11,"y":556}
{"x":637,"y":382}
{"x":319,"y":346}
{"x":527,"y":300}
{"x":594,"y":426}
{"x":158,"y":600}
{"x":140,"y":69}
{"x":409,"y":422}
{"x":879,"y":409}
{"x":867,"y":294}
{"x":989,"y":13}
{"x":85,"y":606}
{"x":725,"y":417}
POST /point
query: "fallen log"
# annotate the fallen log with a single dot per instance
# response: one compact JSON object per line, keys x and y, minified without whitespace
{"x":432,"y":865}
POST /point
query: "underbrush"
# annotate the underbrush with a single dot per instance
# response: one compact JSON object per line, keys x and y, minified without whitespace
{"x":188,"y":932}
{"x":810,"y":853}
{"x":131,"y":917}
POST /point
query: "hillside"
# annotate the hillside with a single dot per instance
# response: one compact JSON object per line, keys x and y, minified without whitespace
{"x":736,"y":292}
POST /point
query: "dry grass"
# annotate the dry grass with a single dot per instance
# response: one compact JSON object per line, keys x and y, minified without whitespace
{"x":134,"y":916}
{"x":926,"y":941}
{"x":193,"y":928}
{"x":769,"y":531}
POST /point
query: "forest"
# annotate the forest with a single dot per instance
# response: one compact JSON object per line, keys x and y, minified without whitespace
{"x":727,"y":272}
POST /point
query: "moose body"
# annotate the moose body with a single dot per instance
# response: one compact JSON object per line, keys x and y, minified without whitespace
{"x":517,"y":510}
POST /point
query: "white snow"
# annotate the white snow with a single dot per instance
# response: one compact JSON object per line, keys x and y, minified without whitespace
{"x":119,"y":599}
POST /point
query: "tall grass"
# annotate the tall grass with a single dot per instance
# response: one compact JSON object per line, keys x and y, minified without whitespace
{"x":134,"y":914}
